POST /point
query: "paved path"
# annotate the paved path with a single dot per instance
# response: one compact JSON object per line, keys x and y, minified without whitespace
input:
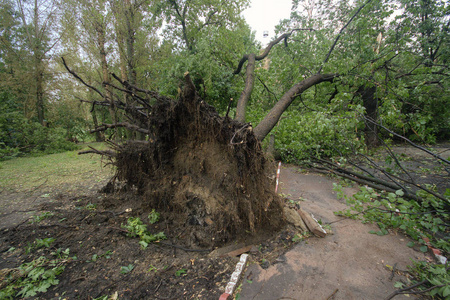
{"x":350,"y":264}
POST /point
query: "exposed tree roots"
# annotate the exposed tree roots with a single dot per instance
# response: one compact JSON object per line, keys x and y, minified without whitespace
{"x":209,"y":170}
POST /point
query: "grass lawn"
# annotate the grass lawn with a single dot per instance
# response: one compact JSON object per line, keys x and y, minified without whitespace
{"x":28,"y":173}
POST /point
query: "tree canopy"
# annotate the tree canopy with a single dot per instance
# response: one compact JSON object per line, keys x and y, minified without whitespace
{"x":334,"y":64}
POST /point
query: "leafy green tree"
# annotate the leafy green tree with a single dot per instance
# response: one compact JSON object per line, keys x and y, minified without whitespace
{"x":188,"y":20}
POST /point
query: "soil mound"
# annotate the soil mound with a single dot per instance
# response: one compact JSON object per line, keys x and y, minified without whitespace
{"x":209,"y":170}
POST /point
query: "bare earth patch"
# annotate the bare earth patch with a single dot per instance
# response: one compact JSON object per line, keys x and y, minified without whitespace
{"x":348,"y":264}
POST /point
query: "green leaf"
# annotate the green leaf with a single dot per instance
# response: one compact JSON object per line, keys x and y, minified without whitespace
{"x":410,"y":244}
{"x":180,"y":272}
{"x":424,"y":249}
{"x":143,"y":244}
{"x":445,"y":291}
{"x":398,"y":285}
{"x":126,"y":269}
{"x":399,"y":193}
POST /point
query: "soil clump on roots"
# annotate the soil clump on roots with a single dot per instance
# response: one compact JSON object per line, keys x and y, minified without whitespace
{"x":208,"y":171}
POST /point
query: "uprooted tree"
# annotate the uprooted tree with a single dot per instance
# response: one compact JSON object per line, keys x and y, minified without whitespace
{"x":210,"y":169}
{"x":187,"y":158}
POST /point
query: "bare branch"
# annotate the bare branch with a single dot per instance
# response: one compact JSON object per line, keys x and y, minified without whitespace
{"x":284,"y":36}
{"x":407,"y":140}
{"x":80,"y":79}
{"x":122,"y":124}
{"x":340,"y":33}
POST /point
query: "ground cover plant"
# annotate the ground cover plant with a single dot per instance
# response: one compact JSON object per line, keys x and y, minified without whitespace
{"x":423,"y":216}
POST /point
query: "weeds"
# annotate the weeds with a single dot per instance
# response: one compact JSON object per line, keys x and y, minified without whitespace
{"x":34,"y":277}
{"x":136,"y":227}
{"x":39,"y":243}
{"x":153,"y":217}
{"x":41,"y":217}
{"x":126,"y":269}
{"x":96,"y":257}
{"x":180,"y":272}
{"x":427,"y":220}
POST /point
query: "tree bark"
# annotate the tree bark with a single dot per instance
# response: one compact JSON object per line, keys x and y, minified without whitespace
{"x":130,"y":41}
{"x":370,"y":103}
{"x":246,"y":93}
{"x":38,"y":67}
{"x":271,"y":119}
{"x":106,"y":78}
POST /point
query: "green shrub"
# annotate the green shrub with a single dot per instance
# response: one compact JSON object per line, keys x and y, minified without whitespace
{"x":20,"y":136}
{"x":301,"y":136}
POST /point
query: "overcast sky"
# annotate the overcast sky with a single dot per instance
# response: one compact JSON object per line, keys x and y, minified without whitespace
{"x":263,"y":15}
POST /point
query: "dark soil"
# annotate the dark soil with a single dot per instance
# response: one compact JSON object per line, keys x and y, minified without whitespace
{"x":91,"y":225}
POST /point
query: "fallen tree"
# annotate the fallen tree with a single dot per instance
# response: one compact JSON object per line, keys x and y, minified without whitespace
{"x":208,"y":169}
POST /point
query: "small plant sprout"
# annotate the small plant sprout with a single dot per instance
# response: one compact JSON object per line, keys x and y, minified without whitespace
{"x":153,"y":217}
{"x":39,"y":243}
{"x":91,"y":206}
{"x":135,"y":228}
{"x":126,"y":269}
{"x":41,"y":217}
{"x":180,"y":272}
{"x":152,"y":268}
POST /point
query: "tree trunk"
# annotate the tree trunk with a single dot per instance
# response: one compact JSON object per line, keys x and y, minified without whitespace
{"x":39,"y":81}
{"x":370,"y":103}
{"x":106,"y":77}
{"x":38,"y":67}
{"x":130,"y":39}
{"x":245,"y":95}
{"x":271,"y":119}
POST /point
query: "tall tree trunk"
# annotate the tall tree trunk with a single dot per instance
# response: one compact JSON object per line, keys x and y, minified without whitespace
{"x":370,"y":103}
{"x":106,"y":77}
{"x":246,"y":93}
{"x":130,"y":38}
{"x":38,"y":68}
{"x":39,"y":81}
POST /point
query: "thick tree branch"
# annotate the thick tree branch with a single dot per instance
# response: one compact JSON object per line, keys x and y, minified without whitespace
{"x":271,"y":119}
{"x":245,"y":95}
{"x":266,"y":51}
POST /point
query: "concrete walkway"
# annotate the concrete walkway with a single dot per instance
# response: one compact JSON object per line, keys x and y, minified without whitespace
{"x":349,"y":264}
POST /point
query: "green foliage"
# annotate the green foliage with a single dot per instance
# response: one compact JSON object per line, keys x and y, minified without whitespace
{"x":35,"y":277}
{"x":153,"y":217}
{"x":96,"y":257}
{"x":91,"y":206}
{"x":41,"y":217}
{"x":136,"y":228}
{"x":180,"y":272}
{"x":391,"y":210}
{"x":309,"y":134}
{"x":19,"y":136}
{"x":39,"y":243}
{"x":436,"y":277}
{"x":418,"y":220}
{"x":126,"y":269}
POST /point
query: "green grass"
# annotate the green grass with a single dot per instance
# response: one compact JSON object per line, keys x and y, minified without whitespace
{"x":54,"y":170}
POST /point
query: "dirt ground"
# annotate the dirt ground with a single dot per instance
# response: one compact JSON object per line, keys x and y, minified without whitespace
{"x":348,"y":264}
{"x":89,"y":224}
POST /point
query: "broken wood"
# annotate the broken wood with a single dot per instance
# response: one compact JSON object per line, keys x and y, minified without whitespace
{"x":312,"y":223}
{"x":293,"y":217}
